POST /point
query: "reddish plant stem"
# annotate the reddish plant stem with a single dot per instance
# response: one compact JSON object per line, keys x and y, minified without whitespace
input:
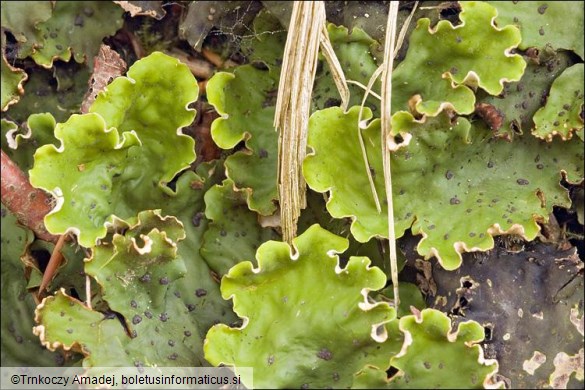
{"x":28,"y":204}
{"x":54,"y":263}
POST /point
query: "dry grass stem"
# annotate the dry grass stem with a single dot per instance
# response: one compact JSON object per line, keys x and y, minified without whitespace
{"x":88,"y":292}
{"x":335,"y":67}
{"x":293,"y":107}
{"x":386,"y":133}
{"x":374,"y":94}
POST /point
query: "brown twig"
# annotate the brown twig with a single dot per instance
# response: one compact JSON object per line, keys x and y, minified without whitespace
{"x":216,"y":59}
{"x":200,"y":68}
{"x":28,"y":204}
{"x":202,"y":87}
{"x":212,"y":57}
{"x":54,"y":263}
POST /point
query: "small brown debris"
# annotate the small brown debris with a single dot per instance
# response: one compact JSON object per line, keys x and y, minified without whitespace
{"x":491,"y":115}
{"x":107,"y":65}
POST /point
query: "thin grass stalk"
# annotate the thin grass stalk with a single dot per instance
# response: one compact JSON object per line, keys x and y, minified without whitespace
{"x":386,"y":105}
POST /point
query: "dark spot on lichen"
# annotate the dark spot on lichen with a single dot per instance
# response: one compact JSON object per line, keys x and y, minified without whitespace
{"x":187,"y":333}
{"x":431,"y":227}
{"x":164,"y":281}
{"x":262,"y":153}
{"x":542,"y":9}
{"x":87,"y":11}
{"x":446,"y":237}
{"x":78,"y":21}
{"x":173,"y":356}
{"x":270,"y":360}
{"x":522,"y":182}
{"x":136,"y":319}
{"x":541,"y":31}
{"x":133,"y":304}
{"x":539,"y":166}
{"x":515,"y":127}
{"x":427,"y":365}
{"x":454,"y":201}
{"x":332,"y":102}
{"x":449,"y":175}
{"x":472,"y":234}
{"x":490,"y":164}
{"x":200,"y":292}
{"x":171,"y":343}
{"x":335,"y":377}
{"x":163,"y":317}
{"x":190,"y":307}
{"x":148,"y":314}
{"x":196,"y":220}
{"x":69,"y":330}
{"x":463,"y":302}
{"x":222,"y":233}
{"x":109,"y":315}
{"x":177,"y":294}
{"x":145,"y":278}
{"x":325,"y":354}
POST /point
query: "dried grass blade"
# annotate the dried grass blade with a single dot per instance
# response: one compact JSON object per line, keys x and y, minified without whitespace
{"x":293,"y":108}
{"x":386,"y":130}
